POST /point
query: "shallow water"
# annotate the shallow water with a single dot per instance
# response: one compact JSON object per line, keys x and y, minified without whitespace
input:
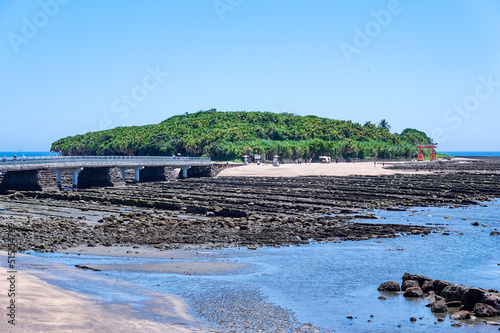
{"x":319,"y":283}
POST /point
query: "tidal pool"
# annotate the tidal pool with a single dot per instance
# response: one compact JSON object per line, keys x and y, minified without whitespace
{"x":322,"y":284}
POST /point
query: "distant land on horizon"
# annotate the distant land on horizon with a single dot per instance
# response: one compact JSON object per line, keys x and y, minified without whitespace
{"x":229,"y":135}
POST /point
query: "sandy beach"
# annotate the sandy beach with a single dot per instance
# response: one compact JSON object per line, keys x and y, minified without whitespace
{"x":44,"y":307}
{"x":313,"y":169}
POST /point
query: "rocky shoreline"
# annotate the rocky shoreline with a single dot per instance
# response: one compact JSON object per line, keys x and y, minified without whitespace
{"x":237,"y":211}
{"x":463,"y":303}
{"x":468,"y":164}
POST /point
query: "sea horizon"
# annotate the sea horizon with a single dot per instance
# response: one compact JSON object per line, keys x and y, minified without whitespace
{"x":471,"y":153}
{"x":451,"y":153}
{"x":27,"y":153}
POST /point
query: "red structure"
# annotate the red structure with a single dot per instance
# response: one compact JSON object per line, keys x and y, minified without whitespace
{"x":427,"y":145}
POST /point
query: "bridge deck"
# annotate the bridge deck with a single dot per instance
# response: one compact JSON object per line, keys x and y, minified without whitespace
{"x":53,"y":162}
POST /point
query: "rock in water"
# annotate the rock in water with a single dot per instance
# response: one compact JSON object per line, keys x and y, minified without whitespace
{"x":484,"y":310}
{"x":409,"y":284}
{"x":439,"y":285}
{"x":439,"y":306}
{"x":428,"y":286}
{"x":454,"y":292}
{"x":471,"y":297}
{"x":389,"y":286}
{"x":492,"y":299}
{"x":413,"y":292}
{"x":461,"y":315}
{"x":454,"y":304}
{"x":419,"y":278}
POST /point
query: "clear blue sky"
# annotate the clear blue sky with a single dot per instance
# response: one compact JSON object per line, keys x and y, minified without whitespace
{"x":69,"y":67}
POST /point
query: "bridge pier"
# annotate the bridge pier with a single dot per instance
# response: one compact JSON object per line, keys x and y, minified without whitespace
{"x":37,"y":173}
{"x":100,"y":176}
{"x":157,"y":173}
{"x":27,"y":180}
{"x":75,"y":176}
{"x":58,"y":177}
{"x":136,"y":172}
{"x":74,"y":172}
{"x":184,"y":171}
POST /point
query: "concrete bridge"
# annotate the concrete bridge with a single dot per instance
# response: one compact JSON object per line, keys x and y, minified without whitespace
{"x":101,"y":168}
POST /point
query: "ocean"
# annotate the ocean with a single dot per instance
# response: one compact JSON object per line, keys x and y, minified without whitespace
{"x":20,"y":153}
{"x":321,"y":284}
{"x":472,"y":153}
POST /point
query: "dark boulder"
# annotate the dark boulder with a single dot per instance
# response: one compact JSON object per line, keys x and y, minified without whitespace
{"x":453,"y":292}
{"x":428,"y":286}
{"x":454,"y":304}
{"x":492,"y":299}
{"x":413,"y":292}
{"x":471,"y":297}
{"x":439,"y":285}
{"x":418,"y":277}
{"x":484,"y":310}
{"x":409,"y":284}
{"x":461,"y":315}
{"x":389,"y":286}
{"x":439,"y":306}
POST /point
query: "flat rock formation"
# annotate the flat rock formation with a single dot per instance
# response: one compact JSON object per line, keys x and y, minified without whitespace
{"x":235,"y":211}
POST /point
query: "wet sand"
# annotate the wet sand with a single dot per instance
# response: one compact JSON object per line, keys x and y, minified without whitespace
{"x":44,"y":307}
{"x":139,"y":251}
{"x":186,"y":266}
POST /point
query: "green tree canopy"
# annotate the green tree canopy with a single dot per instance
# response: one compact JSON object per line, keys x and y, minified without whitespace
{"x":384,"y":124}
{"x":227,"y":135}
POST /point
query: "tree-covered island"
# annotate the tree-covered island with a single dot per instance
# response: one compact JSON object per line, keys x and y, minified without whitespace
{"x":228,"y":135}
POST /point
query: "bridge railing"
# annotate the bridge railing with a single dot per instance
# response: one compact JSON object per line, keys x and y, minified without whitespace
{"x":55,"y":161}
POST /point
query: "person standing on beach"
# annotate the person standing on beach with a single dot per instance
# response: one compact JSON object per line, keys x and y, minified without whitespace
{"x":14,"y":158}
{"x":374,"y":164}
{"x":4,"y":159}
